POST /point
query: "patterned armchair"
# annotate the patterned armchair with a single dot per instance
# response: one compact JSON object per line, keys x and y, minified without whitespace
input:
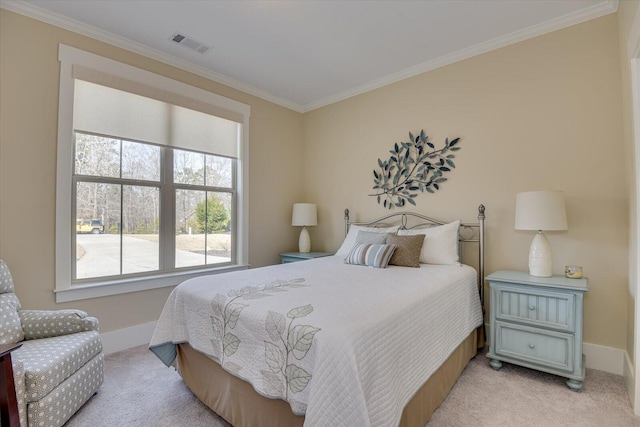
{"x":60,"y":364}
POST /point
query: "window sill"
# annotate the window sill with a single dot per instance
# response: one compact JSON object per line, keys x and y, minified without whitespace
{"x":116,"y":287}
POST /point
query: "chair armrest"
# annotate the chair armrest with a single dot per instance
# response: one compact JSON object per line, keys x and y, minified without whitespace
{"x":52,"y":323}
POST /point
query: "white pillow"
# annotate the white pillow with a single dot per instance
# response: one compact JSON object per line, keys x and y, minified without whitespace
{"x":350,"y":240}
{"x":440,"y":243}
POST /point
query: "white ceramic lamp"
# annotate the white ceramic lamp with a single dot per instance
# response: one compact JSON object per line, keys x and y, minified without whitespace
{"x":304,"y":215}
{"x":540,"y":211}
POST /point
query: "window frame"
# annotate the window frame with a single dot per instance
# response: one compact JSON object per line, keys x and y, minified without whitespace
{"x":65,"y":223}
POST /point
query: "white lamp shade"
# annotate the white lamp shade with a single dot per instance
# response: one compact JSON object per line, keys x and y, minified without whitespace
{"x":541,"y":210}
{"x":304,"y":214}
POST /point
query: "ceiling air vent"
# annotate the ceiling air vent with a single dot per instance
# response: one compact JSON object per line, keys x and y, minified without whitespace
{"x":186,"y":41}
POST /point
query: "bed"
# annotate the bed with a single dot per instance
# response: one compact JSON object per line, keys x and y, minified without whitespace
{"x":325,"y":342}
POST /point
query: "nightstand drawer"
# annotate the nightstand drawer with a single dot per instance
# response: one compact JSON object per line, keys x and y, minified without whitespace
{"x":537,"y":307}
{"x":545,"y":348}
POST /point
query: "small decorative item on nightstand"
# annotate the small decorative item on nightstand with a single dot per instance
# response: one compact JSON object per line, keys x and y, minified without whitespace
{"x":573,"y":271}
{"x":537,"y":323}
{"x":301,"y":256}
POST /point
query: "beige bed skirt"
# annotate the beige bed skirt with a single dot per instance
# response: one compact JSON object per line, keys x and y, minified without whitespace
{"x":237,"y":402}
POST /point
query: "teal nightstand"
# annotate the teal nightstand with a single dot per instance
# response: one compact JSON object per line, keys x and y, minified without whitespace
{"x":536,"y":322}
{"x":302,"y":256}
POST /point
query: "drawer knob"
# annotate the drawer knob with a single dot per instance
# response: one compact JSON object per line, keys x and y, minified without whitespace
{"x":532,"y":307}
{"x":532,"y":346}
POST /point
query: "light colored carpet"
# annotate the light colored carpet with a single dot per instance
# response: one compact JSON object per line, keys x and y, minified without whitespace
{"x":140,"y":391}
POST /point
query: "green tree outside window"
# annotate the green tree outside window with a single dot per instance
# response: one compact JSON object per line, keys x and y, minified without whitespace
{"x":212,"y":216}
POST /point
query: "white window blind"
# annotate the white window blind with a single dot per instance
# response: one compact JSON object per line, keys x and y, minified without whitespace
{"x":107,"y":111}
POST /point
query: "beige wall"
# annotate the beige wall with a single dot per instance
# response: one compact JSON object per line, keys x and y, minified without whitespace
{"x":541,"y":114}
{"x":29,"y":78}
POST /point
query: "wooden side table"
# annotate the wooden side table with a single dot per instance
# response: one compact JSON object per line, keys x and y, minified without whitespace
{"x":301,"y":256}
{"x":8,"y":402}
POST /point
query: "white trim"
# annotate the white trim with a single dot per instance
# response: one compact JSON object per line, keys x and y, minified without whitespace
{"x":116,"y":287}
{"x":123,"y":339}
{"x":602,"y":358}
{"x":242,"y":188}
{"x":74,"y":56}
{"x":64,"y":163}
{"x":70,"y":56}
{"x":633,"y":46}
{"x":35,"y":12}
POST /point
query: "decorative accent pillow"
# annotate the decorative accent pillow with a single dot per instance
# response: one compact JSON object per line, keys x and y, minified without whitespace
{"x":440,"y":243}
{"x":371,"y":238}
{"x":377,"y":256}
{"x":11,"y":330}
{"x":350,"y":240}
{"x":407,"y":253}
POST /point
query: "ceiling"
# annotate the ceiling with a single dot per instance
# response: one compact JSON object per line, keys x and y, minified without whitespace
{"x":307,"y":54}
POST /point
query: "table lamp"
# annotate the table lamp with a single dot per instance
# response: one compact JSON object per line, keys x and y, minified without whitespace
{"x":540,"y":211}
{"x":304,"y":215}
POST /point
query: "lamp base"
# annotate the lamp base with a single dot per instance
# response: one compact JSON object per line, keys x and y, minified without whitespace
{"x":304,"y":243}
{"x":540,"y":264}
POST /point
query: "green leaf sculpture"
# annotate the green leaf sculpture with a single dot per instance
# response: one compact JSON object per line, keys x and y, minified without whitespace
{"x":414,"y":166}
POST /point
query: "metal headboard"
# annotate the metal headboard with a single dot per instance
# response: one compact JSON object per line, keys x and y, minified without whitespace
{"x":468,"y":233}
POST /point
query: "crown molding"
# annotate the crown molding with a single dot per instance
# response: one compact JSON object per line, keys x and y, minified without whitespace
{"x":75,"y":26}
{"x":604,"y":8}
{"x":596,"y":11}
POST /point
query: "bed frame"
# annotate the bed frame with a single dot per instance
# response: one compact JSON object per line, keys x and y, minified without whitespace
{"x":237,"y":402}
{"x":468,"y":233}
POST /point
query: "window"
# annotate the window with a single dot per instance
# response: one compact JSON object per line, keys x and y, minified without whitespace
{"x":151,"y":180}
{"x":117,"y":183}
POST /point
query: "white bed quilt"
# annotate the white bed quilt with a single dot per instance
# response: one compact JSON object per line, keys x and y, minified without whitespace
{"x":345,"y":345}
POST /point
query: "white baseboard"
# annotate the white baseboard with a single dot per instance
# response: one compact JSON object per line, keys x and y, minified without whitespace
{"x":123,"y":339}
{"x":607,"y":359}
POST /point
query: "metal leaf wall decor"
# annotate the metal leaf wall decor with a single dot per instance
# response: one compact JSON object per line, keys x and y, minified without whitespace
{"x":414,"y":166}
